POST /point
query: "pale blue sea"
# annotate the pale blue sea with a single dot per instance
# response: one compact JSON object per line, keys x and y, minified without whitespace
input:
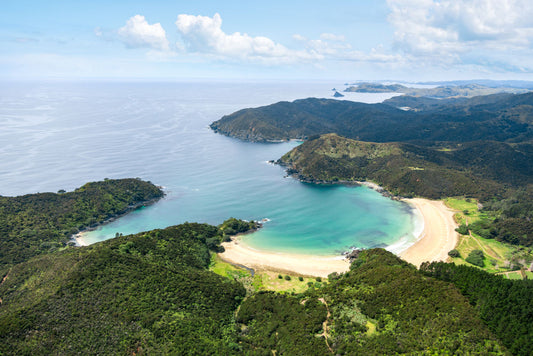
{"x":61,"y":135}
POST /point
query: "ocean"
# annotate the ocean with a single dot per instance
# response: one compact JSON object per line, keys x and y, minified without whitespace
{"x":60,"y":135}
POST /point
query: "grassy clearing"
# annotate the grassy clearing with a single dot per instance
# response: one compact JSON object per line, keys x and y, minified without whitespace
{"x":225,"y":269}
{"x":514,"y":275}
{"x":496,"y":253}
{"x":467,"y":210}
{"x":268,"y":280}
{"x":262,"y":280}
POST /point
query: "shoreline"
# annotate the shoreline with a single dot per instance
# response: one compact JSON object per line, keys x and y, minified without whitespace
{"x":438,"y":236}
{"x":435,"y":240}
{"x":79,"y":237}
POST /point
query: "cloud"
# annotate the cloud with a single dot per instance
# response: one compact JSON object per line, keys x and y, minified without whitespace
{"x":332,"y":37}
{"x":139,"y":34}
{"x":450,"y":28}
{"x":299,"y":37}
{"x":203,"y":34}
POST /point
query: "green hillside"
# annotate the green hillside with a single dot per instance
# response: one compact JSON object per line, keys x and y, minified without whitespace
{"x":476,"y":169}
{"x":503,"y":117}
{"x":152,"y":293}
{"x":39,"y":223}
{"x":148,"y":293}
{"x":382,"y":306}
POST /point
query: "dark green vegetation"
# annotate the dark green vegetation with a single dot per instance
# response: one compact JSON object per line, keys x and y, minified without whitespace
{"x":234,"y":226}
{"x":443,"y":91}
{"x":383,"y":306}
{"x":514,"y":223}
{"x":476,"y":258}
{"x":39,"y":223}
{"x":148,"y":293}
{"x":152,"y":293}
{"x":501,"y":117}
{"x":506,"y":306}
{"x":476,"y":169}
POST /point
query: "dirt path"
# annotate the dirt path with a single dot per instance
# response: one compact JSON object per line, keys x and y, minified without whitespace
{"x":486,"y":249}
{"x":325,"y":324}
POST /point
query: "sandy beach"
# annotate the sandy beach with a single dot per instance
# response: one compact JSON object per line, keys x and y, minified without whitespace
{"x":79,"y":239}
{"x":439,"y":235}
{"x":437,"y":238}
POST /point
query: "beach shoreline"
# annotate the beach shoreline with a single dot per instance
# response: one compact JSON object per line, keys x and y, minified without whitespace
{"x":436,"y":239}
{"x":438,"y":236}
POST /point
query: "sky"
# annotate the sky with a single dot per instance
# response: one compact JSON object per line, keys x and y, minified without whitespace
{"x":348,"y":40}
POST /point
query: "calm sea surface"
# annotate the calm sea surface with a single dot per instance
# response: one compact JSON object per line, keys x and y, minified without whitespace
{"x":61,"y":135}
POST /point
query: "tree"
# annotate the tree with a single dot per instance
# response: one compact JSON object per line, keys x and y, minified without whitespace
{"x":454,"y":253}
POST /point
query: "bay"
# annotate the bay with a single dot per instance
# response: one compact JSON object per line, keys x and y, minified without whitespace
{"x":61,"y":135}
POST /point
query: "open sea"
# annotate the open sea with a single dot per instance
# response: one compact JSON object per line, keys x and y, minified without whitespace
{"x":60,"y":135}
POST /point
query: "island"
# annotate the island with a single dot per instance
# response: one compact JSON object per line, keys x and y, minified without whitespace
{"x":441,"y":91}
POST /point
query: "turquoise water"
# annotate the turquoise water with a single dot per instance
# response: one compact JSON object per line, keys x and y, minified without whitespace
{"x":59,"y":136}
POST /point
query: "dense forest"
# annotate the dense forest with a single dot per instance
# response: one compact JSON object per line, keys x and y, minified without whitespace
{"x":38,"y":223}
{"x":152,"y":293}
{"x":148,"y":293}
{"x":382,"y":306}
{"x":458,"y":169}
{"x":499,"y":117}
{"x":504,"y":305}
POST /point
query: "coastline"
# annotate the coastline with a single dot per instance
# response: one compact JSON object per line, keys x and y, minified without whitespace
{"x":438,"y":236}
{"x":79,"y":237}
{"x":307,"y":265}
{"x":436,"y":239}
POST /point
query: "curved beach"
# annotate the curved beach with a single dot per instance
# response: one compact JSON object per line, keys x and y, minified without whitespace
{"x":437,"y":238}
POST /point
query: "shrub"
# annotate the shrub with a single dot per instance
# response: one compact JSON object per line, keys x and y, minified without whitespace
{"x":287,"y":278}
{"x":454,"y":253}
{"x":462,"y":229}
{"x":333,"y":276}
{"x":476,"y":258}
{"x":301,"y":279}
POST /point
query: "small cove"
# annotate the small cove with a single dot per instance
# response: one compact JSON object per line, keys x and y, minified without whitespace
{"x":61,"y":135}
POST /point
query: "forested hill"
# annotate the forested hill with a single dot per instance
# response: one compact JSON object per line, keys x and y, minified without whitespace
{"x":143,"y":294}
{"x":480,"y":169}
{"x":40,"y":223}
{"x":504,"y":118}
{"x":151,"y":293}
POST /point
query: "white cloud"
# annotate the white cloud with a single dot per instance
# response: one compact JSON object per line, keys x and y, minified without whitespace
{"x":204,"y":34}
{"x":447,"y":29}
{"x":332,"y":37}
{"x":138,"y":33}
{"x":299,"y":37}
